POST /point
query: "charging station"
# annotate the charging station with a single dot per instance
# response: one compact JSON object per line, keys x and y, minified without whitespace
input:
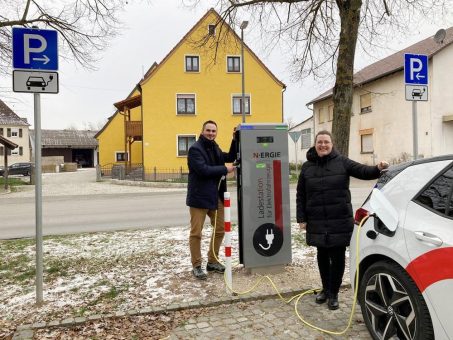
{"x":263,"y":195}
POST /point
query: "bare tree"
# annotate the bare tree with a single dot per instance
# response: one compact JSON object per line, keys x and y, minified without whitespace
{"x":84,"y":26}
{"x":321,"y":37}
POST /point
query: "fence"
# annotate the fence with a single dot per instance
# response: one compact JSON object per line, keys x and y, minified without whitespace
{"x":136,"y":172}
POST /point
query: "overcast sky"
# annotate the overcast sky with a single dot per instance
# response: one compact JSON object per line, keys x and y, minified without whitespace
{"x":152,"y":30}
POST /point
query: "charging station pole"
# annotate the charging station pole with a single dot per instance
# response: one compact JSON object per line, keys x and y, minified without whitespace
{"x":263,"y":197}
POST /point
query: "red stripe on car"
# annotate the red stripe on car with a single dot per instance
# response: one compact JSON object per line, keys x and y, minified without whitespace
{"x":431,"y":267}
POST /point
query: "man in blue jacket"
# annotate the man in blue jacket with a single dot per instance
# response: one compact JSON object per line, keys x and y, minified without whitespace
{"x":207,"y":183}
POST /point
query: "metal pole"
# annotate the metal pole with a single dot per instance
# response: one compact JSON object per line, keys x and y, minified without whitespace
{"x":38,"y":201}
{"x":295,"y":150}
{"x":414,"y":129}
{"x":243,"y":75}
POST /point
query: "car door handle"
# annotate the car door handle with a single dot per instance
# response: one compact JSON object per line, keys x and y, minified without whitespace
{"x":430,"y":238}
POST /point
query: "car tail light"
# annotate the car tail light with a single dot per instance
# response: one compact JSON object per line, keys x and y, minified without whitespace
{"x":360,"y":214}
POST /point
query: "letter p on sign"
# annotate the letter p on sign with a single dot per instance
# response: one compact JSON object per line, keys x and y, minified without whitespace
{"x":27,"y":46}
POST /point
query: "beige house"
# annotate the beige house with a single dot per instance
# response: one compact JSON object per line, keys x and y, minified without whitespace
{"x":304,"y":142}
{"x":16,"y":130}
{"x":381,"y":124}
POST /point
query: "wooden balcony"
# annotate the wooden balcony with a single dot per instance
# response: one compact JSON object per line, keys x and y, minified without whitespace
{"x":133,"y":128}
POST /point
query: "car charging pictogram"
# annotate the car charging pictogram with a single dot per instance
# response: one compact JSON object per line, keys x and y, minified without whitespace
{"x":268,"y":239}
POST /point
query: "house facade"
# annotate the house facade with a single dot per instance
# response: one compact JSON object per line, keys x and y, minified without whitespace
{"x":162,"y":117}
{"x":381,"y":123}
{"x":16,"y":130}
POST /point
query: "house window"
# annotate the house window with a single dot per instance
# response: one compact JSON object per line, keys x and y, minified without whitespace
{"x":1,"y":131}
{"x":321,"y":115}
{"x":184,"y":143}
{"x":1,"y":151}
{"x":19,"y":151}
{"x":121,"y":156}
{"x":365,"y":103}
{"x":330,"y":109}
{"x":185,"y":103}
{"x":234,"y":64}
{"x":237,"y":105}
{"x":367,"y":143}
{"x":192,"y":63}
{"x":211,"y":29}
{"x":306,"y":138}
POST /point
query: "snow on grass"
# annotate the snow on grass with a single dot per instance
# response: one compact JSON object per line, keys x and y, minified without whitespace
{"x":96,"y":273}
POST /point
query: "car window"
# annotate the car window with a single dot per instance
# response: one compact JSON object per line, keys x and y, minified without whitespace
{"x":438,"y":195}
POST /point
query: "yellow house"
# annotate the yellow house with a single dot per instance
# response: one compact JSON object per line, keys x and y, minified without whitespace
{"x":162,"y":117}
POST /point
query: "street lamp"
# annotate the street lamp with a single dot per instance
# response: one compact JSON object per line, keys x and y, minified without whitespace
{"x":243,"y":26}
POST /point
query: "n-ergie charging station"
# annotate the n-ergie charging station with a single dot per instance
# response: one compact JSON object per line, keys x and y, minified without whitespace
{"x":263,"y":196}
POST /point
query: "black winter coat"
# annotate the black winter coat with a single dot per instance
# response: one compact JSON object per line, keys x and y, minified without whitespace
{"x":324,"y":200}
{"x":206,"y":167}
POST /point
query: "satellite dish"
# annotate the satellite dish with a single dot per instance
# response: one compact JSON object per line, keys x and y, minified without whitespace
{"x":440,"y":36}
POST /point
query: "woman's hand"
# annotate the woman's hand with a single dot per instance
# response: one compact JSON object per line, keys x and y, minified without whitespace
{"x":303,"y":226}
{"x":383,"y":165}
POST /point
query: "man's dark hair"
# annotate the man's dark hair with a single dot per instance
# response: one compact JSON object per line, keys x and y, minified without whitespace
{"x":324,"y":132}
{"x":208,"y":122}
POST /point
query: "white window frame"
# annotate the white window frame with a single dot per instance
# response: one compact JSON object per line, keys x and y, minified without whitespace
{"x":192,"y":56}
{"x":14,"y":152}
{"x":177,"y":143}
{"x":240,"y":63}
{"x":14,"y":132}
{"x":239,"y":95}
{"x":189,"y":95}
{"x":124,"y":152}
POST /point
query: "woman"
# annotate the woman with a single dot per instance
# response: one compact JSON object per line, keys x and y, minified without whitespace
{"x":324,"y":209}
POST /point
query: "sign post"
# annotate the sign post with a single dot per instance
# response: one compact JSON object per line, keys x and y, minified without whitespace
{"x":416,"y":79}
{"x":295,"y":135}
{"x":35,"y":53}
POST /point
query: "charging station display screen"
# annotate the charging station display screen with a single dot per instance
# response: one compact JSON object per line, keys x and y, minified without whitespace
{"x":266,"y":139}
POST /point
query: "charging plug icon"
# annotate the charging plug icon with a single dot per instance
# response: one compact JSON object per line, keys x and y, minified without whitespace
{"x":269,"y":239}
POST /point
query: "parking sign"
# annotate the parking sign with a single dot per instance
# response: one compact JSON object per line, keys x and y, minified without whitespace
{"x":416,"y":69}
{"x":35,"y":49}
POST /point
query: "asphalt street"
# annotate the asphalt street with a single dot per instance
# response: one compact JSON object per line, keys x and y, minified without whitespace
{"x":64,"y":212}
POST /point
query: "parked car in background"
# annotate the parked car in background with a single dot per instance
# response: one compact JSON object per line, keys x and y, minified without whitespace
{"x":405,"y":286}
{"x":17,"y":169}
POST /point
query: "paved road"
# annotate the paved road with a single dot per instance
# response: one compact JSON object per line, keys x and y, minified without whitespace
{"x":74,"y":203}
{"x":273,"y":319}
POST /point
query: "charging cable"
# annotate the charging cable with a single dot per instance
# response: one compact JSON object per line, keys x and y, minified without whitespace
{"x":298,"y":297}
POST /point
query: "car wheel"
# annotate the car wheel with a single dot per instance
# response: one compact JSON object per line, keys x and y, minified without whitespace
{"x":392,"y":306}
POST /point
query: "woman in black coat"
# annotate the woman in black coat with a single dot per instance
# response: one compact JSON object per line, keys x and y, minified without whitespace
{"x":324,"y":209}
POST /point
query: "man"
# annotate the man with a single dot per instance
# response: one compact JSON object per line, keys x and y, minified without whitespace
{"x":207,"y":183}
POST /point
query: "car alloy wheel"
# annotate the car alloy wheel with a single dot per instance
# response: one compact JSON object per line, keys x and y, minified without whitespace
{"x":392,"y":306}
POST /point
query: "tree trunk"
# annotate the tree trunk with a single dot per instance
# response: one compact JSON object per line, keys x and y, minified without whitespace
{"x":343,"y":89}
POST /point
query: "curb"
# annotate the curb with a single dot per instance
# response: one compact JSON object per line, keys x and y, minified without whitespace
{"x":25,"y":332}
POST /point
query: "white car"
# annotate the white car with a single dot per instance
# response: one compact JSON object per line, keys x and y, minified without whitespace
{"x":405,"y":287}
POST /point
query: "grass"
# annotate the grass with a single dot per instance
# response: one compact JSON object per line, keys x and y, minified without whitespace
{"x":13,"y":181}
{"x":299,"y":239}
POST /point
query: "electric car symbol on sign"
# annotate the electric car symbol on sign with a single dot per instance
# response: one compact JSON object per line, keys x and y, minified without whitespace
{"x":406,"y":252}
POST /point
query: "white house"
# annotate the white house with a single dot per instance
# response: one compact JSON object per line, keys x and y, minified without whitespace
{"x":381,"y":123}
{"x":16,"y":130}
{"x":299,"y":150}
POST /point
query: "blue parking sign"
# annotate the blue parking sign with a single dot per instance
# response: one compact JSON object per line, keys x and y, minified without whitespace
{"x":416,"y":69}
{"x":35,"y":49}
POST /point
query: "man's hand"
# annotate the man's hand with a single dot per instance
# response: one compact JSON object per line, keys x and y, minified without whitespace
{"x":303,"y":226}
{"x":230,"y":168}
{"x":383,"y":165}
